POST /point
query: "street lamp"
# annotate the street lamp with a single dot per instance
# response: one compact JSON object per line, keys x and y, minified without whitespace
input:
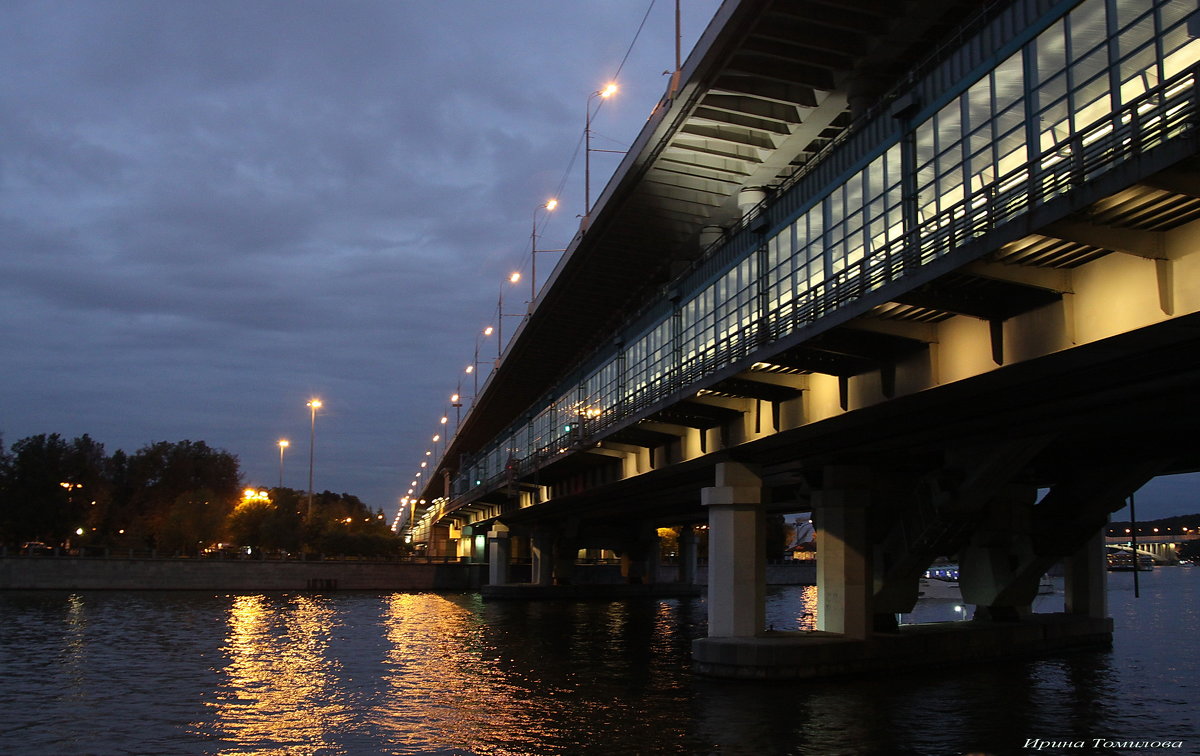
{"x":605,"y":93}
{"x":475,"y":362}
{"x":456,"y":403}
{"x":549,"y":206}
{"x":513,"y":278}
{"x":313,"y":405}
{"x":283,"y":444}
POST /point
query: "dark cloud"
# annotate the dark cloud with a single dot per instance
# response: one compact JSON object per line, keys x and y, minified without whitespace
{"x":211,"y":211}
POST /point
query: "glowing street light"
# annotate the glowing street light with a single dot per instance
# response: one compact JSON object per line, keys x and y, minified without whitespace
{"x":501,"y":315}
{"x":475,"y":362}
{"x":283,"y":444}
{"x":313,"y":405}
{"x":605,"y":93}
{"x":549,"y":206}
{"x":456,"y":403}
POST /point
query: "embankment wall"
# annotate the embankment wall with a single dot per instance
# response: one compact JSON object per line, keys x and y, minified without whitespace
{"x":91,"y":573}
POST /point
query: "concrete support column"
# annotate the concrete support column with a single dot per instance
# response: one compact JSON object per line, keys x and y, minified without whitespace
{"x":499,"y":552}
{"x":542,"y":556}
{"x":566,"y":550}
{"x":639,"y":555}
{"x":998,"y":569}
{"x":736,"y":561}
{"x":687,"y":555}
{"x":1086,"y":591}
{"x":845,"y":582}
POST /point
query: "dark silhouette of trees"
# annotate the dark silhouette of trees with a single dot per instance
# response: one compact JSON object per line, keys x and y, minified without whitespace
{"x":273,"y":524}
{"x":171,"y":497}
{"x":50,"y":487}
{"x":343,"y":524}
{"x":181,"y":494}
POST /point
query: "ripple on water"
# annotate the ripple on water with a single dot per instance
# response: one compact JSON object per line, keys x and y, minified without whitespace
{"x":116,"y":673}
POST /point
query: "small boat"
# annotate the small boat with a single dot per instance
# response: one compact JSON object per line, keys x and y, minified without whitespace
{"x":940,"y":581}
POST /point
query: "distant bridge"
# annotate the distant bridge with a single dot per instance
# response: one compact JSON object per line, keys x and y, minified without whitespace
{"x":1163,"y":549}
{"x":903,"y":291}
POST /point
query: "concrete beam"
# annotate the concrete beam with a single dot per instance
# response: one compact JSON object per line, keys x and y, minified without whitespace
{"x":1052,"y":279}
{"x":1130,"y":241}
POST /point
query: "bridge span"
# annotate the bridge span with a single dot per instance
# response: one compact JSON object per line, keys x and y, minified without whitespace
{"x":927,"y":270}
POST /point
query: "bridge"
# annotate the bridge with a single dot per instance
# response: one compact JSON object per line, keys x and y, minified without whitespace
{"x":929,"y":270}
{"x":1163,"y":549}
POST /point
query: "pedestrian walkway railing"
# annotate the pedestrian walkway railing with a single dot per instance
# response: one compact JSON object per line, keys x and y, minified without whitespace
{"x":1164,"y":115}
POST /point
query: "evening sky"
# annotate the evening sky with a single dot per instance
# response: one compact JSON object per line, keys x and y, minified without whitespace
{"x":210,"y":212}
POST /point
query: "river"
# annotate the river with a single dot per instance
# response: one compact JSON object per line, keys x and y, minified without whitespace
{"x":425,"y":673}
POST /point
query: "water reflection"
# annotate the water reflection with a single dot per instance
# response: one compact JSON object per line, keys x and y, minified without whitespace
{"x":281,"y":681}
{"x":449,"y":674}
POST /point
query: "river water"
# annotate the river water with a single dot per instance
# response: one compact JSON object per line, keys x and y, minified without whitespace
{"x":425,"y":673}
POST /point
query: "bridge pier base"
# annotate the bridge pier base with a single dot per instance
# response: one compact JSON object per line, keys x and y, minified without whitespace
{"x":810,"y":655}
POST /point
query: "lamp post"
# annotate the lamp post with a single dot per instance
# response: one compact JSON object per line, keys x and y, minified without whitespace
{"x":283,"y":444}
{"x":513,"y":278}
{"x":549,"y":206}
{"x":313,"y":405}
{"x":456,"y":403}
{"x":471,"y":369}
{"x":608,"y":91}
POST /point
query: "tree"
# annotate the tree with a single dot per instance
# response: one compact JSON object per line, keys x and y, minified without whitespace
{"x":270,"y":522}
{"x":343,"y":524}
{"x":50,"y":487}
{"x":181,"y":494}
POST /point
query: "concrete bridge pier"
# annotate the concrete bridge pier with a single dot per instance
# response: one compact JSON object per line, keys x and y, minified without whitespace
{"x":1086,"y":584}
{"x":845,"y":580}
{"x":736,"y":560}
{"x":499,"y":554}
{"x":989,"y":562}
{"x":688,"y":551}
{"x":639,"y":555}
{"x":566,"y":549}
{"x":541,"y":547}
{"x":1000,"y":557}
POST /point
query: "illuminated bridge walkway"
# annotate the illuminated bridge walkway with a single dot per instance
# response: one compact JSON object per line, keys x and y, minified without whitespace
{"x":930,"y":274}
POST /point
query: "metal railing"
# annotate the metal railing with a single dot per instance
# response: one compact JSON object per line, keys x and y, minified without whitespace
{"x":1163,"y":114}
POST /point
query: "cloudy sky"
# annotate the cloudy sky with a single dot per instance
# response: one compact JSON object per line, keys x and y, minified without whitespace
{"x":210,"y":212}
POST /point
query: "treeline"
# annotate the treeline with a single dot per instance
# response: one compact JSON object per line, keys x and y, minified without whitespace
{"x":171,"y":497}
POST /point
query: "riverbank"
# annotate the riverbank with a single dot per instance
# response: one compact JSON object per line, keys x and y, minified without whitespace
{"x":149,"y":572}
{"x":173,"y":573}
